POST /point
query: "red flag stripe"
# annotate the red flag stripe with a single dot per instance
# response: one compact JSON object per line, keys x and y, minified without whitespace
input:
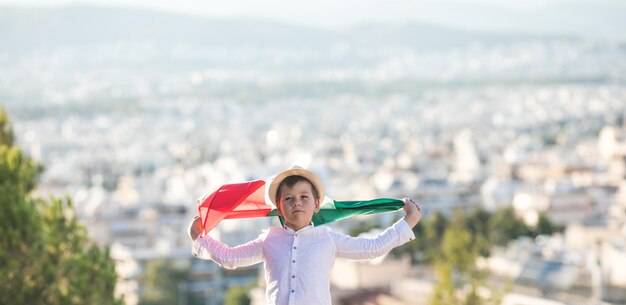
{"x":235,"y":200}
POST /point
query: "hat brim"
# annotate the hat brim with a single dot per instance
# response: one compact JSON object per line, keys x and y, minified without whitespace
{"x":309,"y":175}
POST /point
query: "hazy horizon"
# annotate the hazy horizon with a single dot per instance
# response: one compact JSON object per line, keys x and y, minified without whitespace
{"x":595,"y":19}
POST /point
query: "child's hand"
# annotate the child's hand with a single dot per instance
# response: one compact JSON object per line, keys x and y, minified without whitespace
{"x":195,"y":228}
{"x":413,"y":212}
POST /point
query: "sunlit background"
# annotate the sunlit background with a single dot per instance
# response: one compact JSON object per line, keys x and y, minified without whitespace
{"x":504,"y":119}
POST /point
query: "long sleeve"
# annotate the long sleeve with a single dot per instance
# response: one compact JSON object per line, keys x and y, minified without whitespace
{"x":229,"y":257}
{"x":364,"y":248}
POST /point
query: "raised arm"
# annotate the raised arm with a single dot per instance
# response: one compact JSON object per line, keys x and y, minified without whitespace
{"x":396,"y":235}
{"x":205,"y":247}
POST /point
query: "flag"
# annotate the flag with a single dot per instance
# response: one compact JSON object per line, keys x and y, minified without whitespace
{"x":248,"y":199}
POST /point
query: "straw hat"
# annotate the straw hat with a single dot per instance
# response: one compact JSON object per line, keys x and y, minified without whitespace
{"x":295,"y":171}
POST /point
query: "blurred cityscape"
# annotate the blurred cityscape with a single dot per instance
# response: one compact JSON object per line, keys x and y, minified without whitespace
{"x":137,"y":122}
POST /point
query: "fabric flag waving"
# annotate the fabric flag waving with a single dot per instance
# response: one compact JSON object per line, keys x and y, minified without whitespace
{"x":248,"y":199}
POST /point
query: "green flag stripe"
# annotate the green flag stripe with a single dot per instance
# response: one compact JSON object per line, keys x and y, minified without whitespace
{"x":346,"y":209}
{"x":386,"y":204}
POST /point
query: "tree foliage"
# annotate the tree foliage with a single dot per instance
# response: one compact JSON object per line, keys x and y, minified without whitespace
{"x":478,"y":227}
{"x":434,"y":229}
{"x":362,"y":227}
{"x":45,"y":254}
{"x":505,"y":226}
{"x":459,"y":279}
{"x":6,"y":131}
{"x":545,"y":226}
{"x":453,"y":245}
{"x":237,"y":295}
{"x":486,"y":229}
{"x":162,"y":283}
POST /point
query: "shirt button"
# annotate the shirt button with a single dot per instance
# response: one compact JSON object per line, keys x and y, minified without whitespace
{"x":295,"y":247}
{"x":293,"y":261}
{"x":293,"y":276}
{"x":292,"y":291}
{"x":296,"y":235}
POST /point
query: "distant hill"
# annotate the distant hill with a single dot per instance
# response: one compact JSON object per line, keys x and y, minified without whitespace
{"x":26,"y":28}
{"x":425,"y":36}
{"x":23,"y":29}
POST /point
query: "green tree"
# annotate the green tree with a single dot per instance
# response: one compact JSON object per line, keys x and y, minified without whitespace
{"x":237,"y":295}
{"x":434,"y":229}
{"x":444,"y":291}
{"x":362,"y":227}
{"x":456,"y":247}
{"x":458,"y":277}
{"x":45,"y":255}
{"x":75,"y":265}
{"x":162,"y":283}
{"x":6,"y":131}
{"x":545,"y":226}
{"x":21,"y":247}
{"x":478,"y":226}
{"x":455,"y":265}
{"x":505,"y":226}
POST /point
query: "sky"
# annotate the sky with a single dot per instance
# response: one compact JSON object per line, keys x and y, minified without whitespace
{"x":586,"y":17}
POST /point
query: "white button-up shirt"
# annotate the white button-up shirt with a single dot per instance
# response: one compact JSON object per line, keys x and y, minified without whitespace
{"x":298,"y":263}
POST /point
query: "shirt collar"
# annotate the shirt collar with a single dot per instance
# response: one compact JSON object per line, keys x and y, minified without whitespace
{"x":291,"y":231}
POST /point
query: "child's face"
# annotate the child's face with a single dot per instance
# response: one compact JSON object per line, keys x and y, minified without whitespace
{"x":297,"y":205}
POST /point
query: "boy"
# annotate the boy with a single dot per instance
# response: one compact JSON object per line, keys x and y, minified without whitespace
{"x":299,"y":256}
